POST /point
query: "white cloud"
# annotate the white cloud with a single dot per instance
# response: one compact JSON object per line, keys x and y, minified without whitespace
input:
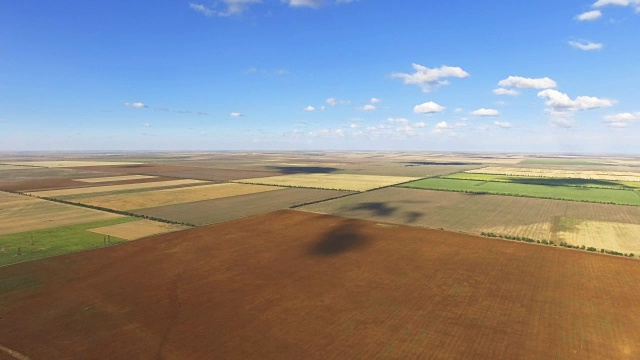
{"x":586,"y":45}
{"x":309,"y":108}
{"x":485,"y":112}
{"x":202,"y":9}
{"x":375,"y":100}
{"x":327,"y":133}
{"x":589,"y":15}
{"x":621,"y":120}
{"x":234,"y":7}
{"x":368,"y":107}
{"x":419,"y":125}
{"x":502,"y":124}
{"x":428,"y":107}
{"x":634,"y":3}
{"x":354,"y":126}
{"x":136,"y":105}
{"x":562,"y":102}
{"x":528,"y":83}
{"x":305,"y":3}
{"x":443,"y":125}
{"x":459,"y":110}
{"x":398,"y":120}
{"x":503,"y":91}
{"x":236,"y":114}
{"x":427,"y":78}
{"x":147,"y":125}
{"x":333,"y":102}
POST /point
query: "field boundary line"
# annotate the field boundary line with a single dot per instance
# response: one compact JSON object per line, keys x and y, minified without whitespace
{"x":14,"y":353}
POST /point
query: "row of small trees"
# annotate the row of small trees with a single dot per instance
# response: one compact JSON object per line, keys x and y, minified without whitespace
{"x":552,"y":243}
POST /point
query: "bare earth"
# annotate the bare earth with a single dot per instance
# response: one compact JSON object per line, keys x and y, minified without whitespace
{"x":294,"y":285}
{"x":115,"y":178}
{"x":109,"y":188}
{"x":69,"y":163}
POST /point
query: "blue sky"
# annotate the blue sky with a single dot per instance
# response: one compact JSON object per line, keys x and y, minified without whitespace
{"x":533,"y":76}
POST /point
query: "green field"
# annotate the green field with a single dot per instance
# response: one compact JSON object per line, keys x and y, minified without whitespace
{"x":590,"y":183}
{"x":611,"y":196}
{"x":54,"y":241}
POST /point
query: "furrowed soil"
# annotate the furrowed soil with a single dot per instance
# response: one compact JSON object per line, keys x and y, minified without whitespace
{"x":539,"y":219}
{"x":235,"y":207}
{"x":307,"y":286}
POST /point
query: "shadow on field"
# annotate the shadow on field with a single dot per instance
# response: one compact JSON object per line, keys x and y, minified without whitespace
{"x":426,"y":163}
{"x":346,"y":237}
{"x":412,"y":216}
{"x":377,"y":208}
{"x":303,"y":169}
{"x":567,"y":182}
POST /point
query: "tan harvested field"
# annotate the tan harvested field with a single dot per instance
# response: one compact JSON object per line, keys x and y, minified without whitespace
{"x":115,"y":178}
{"x":601,"y":234}
{"x":70,"y":163}
{"x":26,"y":174}
{"x":235,"y":207}
{"x":556,"y":173}
{"x":347,"y":182}
{"x":155,"y":198}
{"x":293,"y":285}
{"x":4,"y":167}
{"x":188,"y":172}
{"x":65,"y":183}
{"x":111,"y":188}
{"x":19,"y":213}
{"x":540,"y":219}
{"x":137,"y":229}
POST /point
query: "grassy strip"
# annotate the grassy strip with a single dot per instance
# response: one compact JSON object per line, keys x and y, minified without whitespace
{"x":552,"y":243}
{"x":31,"y":245}
{"x":603,"y":196}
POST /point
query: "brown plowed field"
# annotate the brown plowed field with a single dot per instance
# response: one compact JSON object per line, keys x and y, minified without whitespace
{"x":66,"y":183}
{"x":235,"y":207}
{"x":186,"y":172}
{"x":297,"y":285}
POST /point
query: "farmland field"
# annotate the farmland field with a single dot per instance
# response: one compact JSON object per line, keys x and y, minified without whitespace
{"x":20,"y":213}
{"x":346,"y":182}
{"x":136,"y":229}
{"x":507,"y":215}
{"x":155,"y":198}
{"x":114,"y":188}
{"x":235,"y":207}
{"x":561,"y":173}
{"x":115,"y":178}
{"x":609,"y":184}
{"x":298,"y":285}
{"x":621,"y":197}
{"x":38,"y":244}
{"x":69,"y":163}
{"x":185,"y":172}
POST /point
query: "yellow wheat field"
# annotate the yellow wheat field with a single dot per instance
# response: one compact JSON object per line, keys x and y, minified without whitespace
{"x":14,"y":167}
{"x":149,"y":199}
{"x":20,"y":213}
{"x":332,"y":181}
{"x":69,"y":163}
{"x":115,"y":178}
{"x":137,"y":229}
{"x":110,"y":188}
{"x":555,"y":173}
{"x":617,"y":236}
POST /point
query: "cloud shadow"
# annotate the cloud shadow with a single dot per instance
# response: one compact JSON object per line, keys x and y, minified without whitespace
{"x":344,"y":238}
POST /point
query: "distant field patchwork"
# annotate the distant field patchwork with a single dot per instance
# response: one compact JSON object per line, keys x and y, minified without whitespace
{"x":146,"y":199}
{"x":115,"y":178}
{"x":69,"y":163}
{"x":347,"y":182}
{"x":110,"y":188}
{"x":557,"y":173}
{"x":518,"y":179}
{"x":23,"y":213}
{"x":621,"y":197}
